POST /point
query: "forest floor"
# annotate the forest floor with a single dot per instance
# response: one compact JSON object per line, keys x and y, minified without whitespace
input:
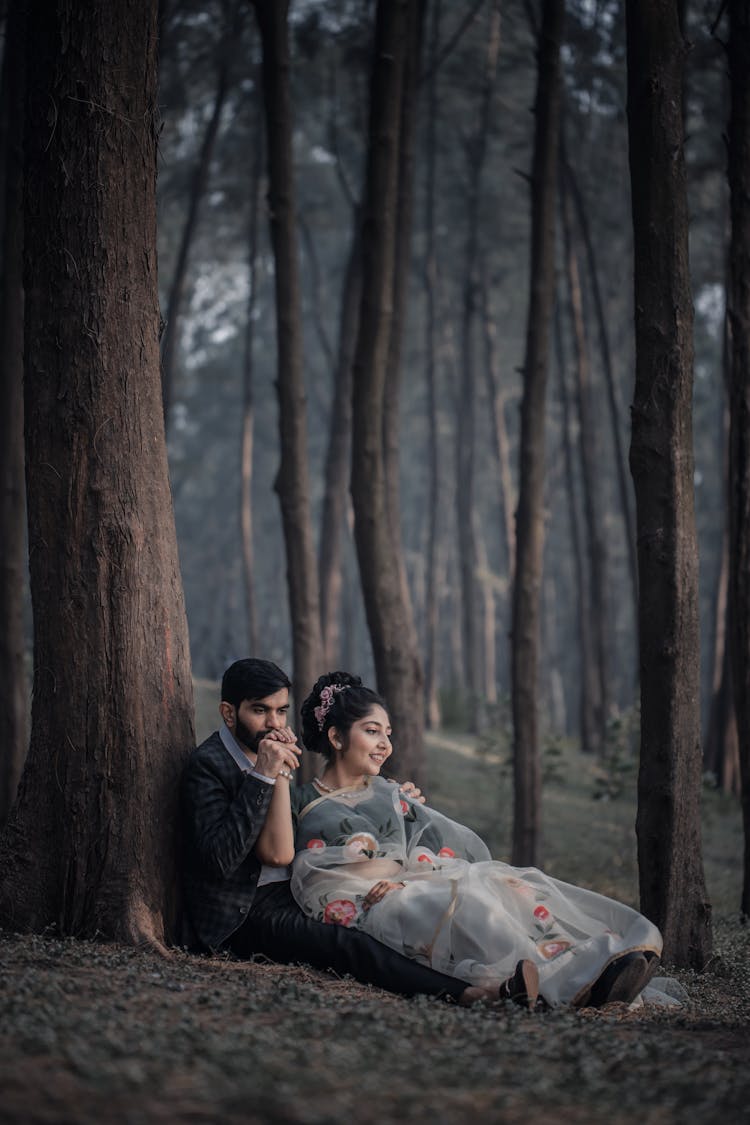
{"x":92,"y":1032}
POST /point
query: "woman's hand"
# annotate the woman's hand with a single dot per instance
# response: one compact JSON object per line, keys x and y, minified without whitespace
{"x":378,"y":892}
{"x":410,"y":790}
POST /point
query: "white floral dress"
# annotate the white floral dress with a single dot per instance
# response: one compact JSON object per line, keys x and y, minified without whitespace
{"x":459,"y":911}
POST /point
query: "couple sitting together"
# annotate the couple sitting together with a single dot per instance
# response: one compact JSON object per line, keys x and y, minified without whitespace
{"x":355,"y":873}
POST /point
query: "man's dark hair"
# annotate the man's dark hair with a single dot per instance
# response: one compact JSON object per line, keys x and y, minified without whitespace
{"x":252,"y":679}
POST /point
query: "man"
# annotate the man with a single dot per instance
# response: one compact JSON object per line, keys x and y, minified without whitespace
{"x":232,"y":900}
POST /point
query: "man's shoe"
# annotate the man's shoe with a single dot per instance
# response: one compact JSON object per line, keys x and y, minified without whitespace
{"x":621,"y":981}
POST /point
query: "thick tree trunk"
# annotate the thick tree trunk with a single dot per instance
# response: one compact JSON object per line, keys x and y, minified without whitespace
{"x":465,"y":432}
{"x":673,"y":892}
{"x":292,"y":482}
{"x":14,"y":693}
{"x":90,"y":844}
{"x":248,"y":407}
{"x":530,"y":514}
{"x":170,"y":336}
{"x":739,"y":460}
{"x":587,"y":448}
{"x":399,"y":673}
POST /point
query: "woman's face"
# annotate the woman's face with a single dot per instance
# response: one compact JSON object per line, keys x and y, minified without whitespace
{"x":368,"y":745}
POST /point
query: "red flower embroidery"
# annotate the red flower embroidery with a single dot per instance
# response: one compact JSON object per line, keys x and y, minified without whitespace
{"x":424,"y":858}
{"x":542,"y":913}
{"x":316,"y":844}
{"x":404,"y":807}
{"x":340,"y":912}
{"x":550,"y":949}
{"x":448,"y":852}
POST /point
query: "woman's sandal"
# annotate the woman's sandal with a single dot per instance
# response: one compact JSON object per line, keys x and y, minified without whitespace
{"x":523,"y":987}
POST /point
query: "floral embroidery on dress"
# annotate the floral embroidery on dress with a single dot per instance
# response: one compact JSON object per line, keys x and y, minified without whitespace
{"x":447,"y":853}
{"x":315,"y":844}
{"x":553,"y":948}
{"x":340,"y":912}
{"x":361,"y":843}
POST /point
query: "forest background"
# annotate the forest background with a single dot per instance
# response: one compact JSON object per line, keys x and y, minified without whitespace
{"x":239,"y":320}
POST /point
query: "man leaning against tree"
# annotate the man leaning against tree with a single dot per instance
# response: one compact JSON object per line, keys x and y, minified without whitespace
{"x":238,"y":844}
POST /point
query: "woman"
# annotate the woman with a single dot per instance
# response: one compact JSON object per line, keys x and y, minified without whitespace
{"x":372,"y":857}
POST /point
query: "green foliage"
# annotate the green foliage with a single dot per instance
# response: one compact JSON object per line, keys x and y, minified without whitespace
{"x":617,"y":766}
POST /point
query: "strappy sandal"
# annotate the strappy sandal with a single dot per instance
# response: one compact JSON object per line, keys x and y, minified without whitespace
{"x":523,"y":987}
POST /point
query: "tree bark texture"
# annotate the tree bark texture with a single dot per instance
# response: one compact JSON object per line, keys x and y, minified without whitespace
{"x":90,"y":844}
{"x":397,"y":663}
{"x":170,"y":338}
{"x":292,"y":482}
{"x":530,"y":512}
{"x":14,"y":693}
{"x":673,"y":892}
{"x":739,"y":457}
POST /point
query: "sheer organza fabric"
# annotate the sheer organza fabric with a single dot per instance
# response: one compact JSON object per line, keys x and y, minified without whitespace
{"x":460,"y":911}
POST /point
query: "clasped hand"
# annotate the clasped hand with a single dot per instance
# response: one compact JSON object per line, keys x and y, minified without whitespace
{"x":278,"y":753}
{"x":378,"y":892}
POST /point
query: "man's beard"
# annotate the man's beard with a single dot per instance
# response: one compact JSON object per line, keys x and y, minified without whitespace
{"x":245,"y":736}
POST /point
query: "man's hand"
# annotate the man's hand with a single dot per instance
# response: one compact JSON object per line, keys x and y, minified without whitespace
{"x":278,"y":753}
{"x":410,"y":790}
{"x":378,"y":892}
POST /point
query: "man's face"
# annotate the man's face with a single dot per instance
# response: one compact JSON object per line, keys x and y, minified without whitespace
{"x":254,"y":718}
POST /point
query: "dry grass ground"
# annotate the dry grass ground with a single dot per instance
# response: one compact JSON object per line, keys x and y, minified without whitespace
{"x":99,"y":1033}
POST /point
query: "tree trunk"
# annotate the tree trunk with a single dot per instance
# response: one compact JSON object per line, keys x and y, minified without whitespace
{"x":530,"y":514}
{"x":587,"y":679}
{"x":499,"y":428}
{"x":431,"y":283}
{"x":292,"y":482}
{"x":248,"y":408}
{"x":333,"y":528}
{"x":14,"y":693}
{"x":673,"y":892}
{"x":465,"y":432}
{"x":399,"y":673}
{"x":90,"y":844}
{"x":623,"y":484}
{"x":170,"y":336}
{"x":587,"y":447}
{"x":739,"y":459}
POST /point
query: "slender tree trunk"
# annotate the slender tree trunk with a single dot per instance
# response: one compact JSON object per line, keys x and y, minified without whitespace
{"x":670,"y":864}
{"x":739,"y":460}
{"x":170,"y":336}
{"x":431,"y":282}
{"x":530,"y":514}
{"x":499,"y":428}
{"x":615,"y":411}
{"x":90,"y":843}
{"x":397,"y":664}
{"x":14,"y":693}
{"x":336,"y":498}
{"x":465,"y":434}
{"x":248,"y":407}
{"x":587,"y":447}
{"x":292,"y":482}
{"x":587,"y":685}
